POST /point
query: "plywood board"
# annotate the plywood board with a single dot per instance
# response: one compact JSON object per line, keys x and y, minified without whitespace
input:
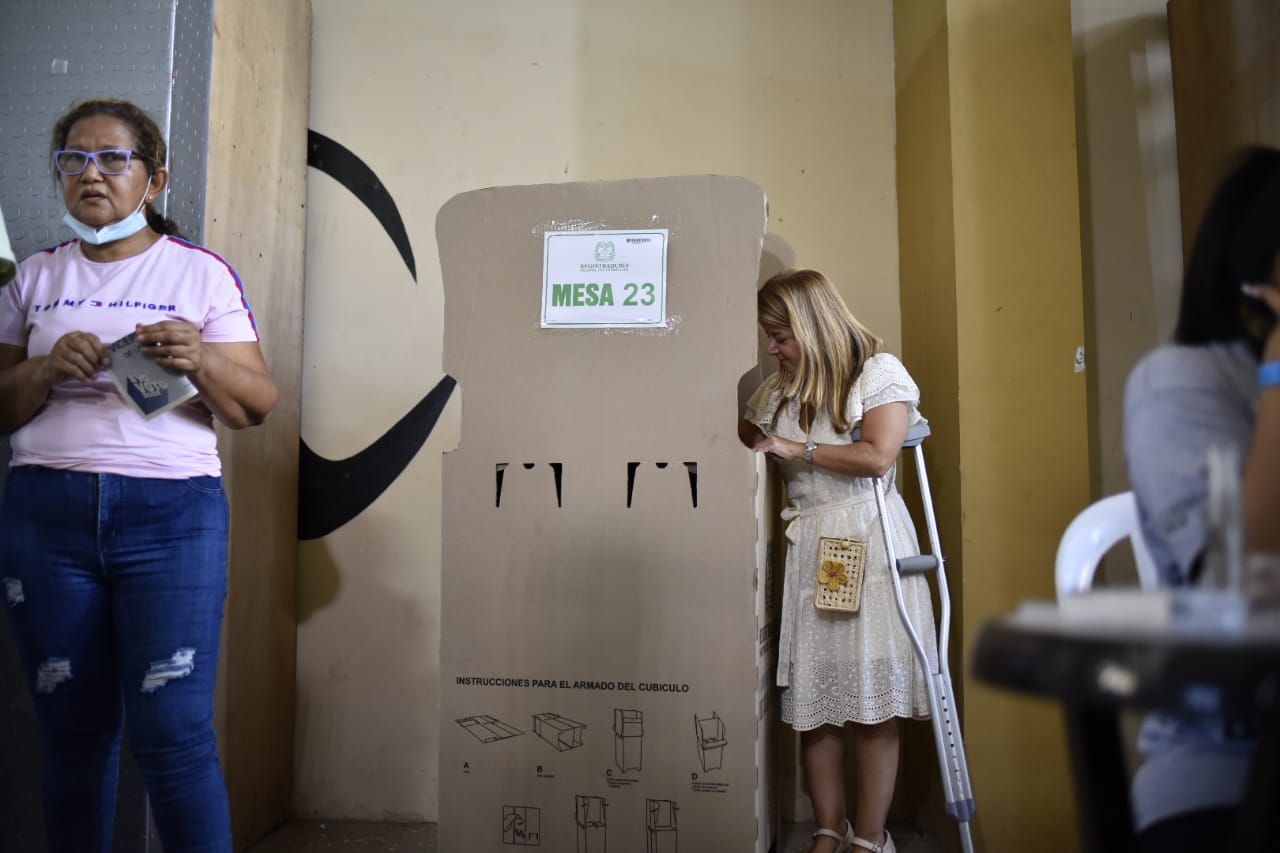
{"x":256,"y":218}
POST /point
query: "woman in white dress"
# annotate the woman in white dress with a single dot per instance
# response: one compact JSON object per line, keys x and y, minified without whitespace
{"x":838,"y":667}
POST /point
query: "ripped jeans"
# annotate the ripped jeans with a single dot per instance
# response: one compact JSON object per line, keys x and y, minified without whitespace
{"x":114,"y":588}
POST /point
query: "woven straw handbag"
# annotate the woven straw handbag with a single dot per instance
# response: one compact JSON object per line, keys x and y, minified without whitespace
{"x":838,"y":584}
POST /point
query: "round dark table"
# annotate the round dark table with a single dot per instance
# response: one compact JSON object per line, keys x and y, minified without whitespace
{"x":1097,"y":669}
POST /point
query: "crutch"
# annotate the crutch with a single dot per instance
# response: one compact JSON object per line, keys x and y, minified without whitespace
{"x":942,"y":698}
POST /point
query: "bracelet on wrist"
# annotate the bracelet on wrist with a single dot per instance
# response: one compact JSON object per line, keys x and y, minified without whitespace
{"x":809,"y":447}
{"x":1269,"y":374}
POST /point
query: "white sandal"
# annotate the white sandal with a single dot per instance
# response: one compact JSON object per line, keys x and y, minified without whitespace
{"x":846,"y":841}
{"x":887,"y":847}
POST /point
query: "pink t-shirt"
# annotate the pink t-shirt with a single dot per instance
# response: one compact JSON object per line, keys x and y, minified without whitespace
{"x":86,"y":426}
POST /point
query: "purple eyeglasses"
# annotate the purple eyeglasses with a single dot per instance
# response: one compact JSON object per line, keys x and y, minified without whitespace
{"x":110,"y":161}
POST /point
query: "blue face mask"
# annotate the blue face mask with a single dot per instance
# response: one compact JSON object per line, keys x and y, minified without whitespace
{"x":127,"y":227}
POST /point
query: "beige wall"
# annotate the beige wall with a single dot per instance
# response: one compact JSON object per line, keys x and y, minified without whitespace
{"x":930,"y":333}
{"x":1130,"y":225}
{"x":988,"y":192}
{"x":1131,"y":228}
{"x":439,"y":98}
{"x":1023,"y":418}
{"x":990,"y":235}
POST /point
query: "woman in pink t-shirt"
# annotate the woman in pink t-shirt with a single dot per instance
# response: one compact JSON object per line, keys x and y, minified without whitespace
{"x":113,"y":528}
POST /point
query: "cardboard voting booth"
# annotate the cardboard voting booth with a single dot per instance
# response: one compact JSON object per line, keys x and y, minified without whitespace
{"x":608,"y":630}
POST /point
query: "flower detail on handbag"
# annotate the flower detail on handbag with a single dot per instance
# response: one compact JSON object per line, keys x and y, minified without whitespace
{"x":832,"y":575}
{"x":838,"y":573}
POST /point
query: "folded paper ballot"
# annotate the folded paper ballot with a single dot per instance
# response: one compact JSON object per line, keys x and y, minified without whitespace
{"x":147,"y":386}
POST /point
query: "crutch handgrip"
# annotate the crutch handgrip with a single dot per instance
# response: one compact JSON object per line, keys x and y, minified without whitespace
{"x":918,"y":564}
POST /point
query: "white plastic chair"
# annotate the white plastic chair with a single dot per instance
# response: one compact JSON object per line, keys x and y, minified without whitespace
{"x":1090,"y":535}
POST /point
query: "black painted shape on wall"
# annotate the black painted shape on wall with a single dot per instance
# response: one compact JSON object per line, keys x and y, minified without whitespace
{"x":332,"y":492}
{"x":349,"y":170}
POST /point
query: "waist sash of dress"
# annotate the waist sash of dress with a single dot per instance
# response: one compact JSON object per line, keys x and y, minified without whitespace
{"x":790,"y":513}
{"x":814,"y":510}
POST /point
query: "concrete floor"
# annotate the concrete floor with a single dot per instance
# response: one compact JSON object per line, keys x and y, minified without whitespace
{"x":352,"y":836}
{"x":349,"y":837}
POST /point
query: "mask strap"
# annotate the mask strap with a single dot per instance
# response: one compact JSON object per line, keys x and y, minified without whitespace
{"x":144,"y":201}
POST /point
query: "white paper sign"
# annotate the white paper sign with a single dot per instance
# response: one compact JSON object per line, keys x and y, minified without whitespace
{"x":604,"y":279}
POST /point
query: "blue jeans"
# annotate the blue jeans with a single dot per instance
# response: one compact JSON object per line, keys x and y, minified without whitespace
{"x":114,"y":588}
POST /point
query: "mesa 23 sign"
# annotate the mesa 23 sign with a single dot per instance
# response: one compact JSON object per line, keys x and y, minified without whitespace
{"x":604,"y":279}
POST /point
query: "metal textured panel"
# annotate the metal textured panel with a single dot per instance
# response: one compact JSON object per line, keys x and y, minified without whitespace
{"x":189,"y":112}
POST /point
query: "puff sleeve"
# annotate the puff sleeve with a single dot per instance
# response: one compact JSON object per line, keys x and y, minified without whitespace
{"x":884,"y":380}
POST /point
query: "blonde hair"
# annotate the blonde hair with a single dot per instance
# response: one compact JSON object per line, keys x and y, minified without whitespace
{"x":833,"y":344}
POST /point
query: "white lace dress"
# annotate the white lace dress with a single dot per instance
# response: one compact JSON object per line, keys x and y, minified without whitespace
{"x":839,"y":667}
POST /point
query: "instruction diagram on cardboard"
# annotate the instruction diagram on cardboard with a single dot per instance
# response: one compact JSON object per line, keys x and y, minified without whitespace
{"x":660,"y":826}
{"x":710,"y":735}
{"x":522,"y":826}
{"x":628,"y":739}
{"x":589,"y":815}
{"x":488,"y":729}
{"x":561,"y":732}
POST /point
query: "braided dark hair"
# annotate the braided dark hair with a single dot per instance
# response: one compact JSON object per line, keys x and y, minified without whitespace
{"x":148,"y":143}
